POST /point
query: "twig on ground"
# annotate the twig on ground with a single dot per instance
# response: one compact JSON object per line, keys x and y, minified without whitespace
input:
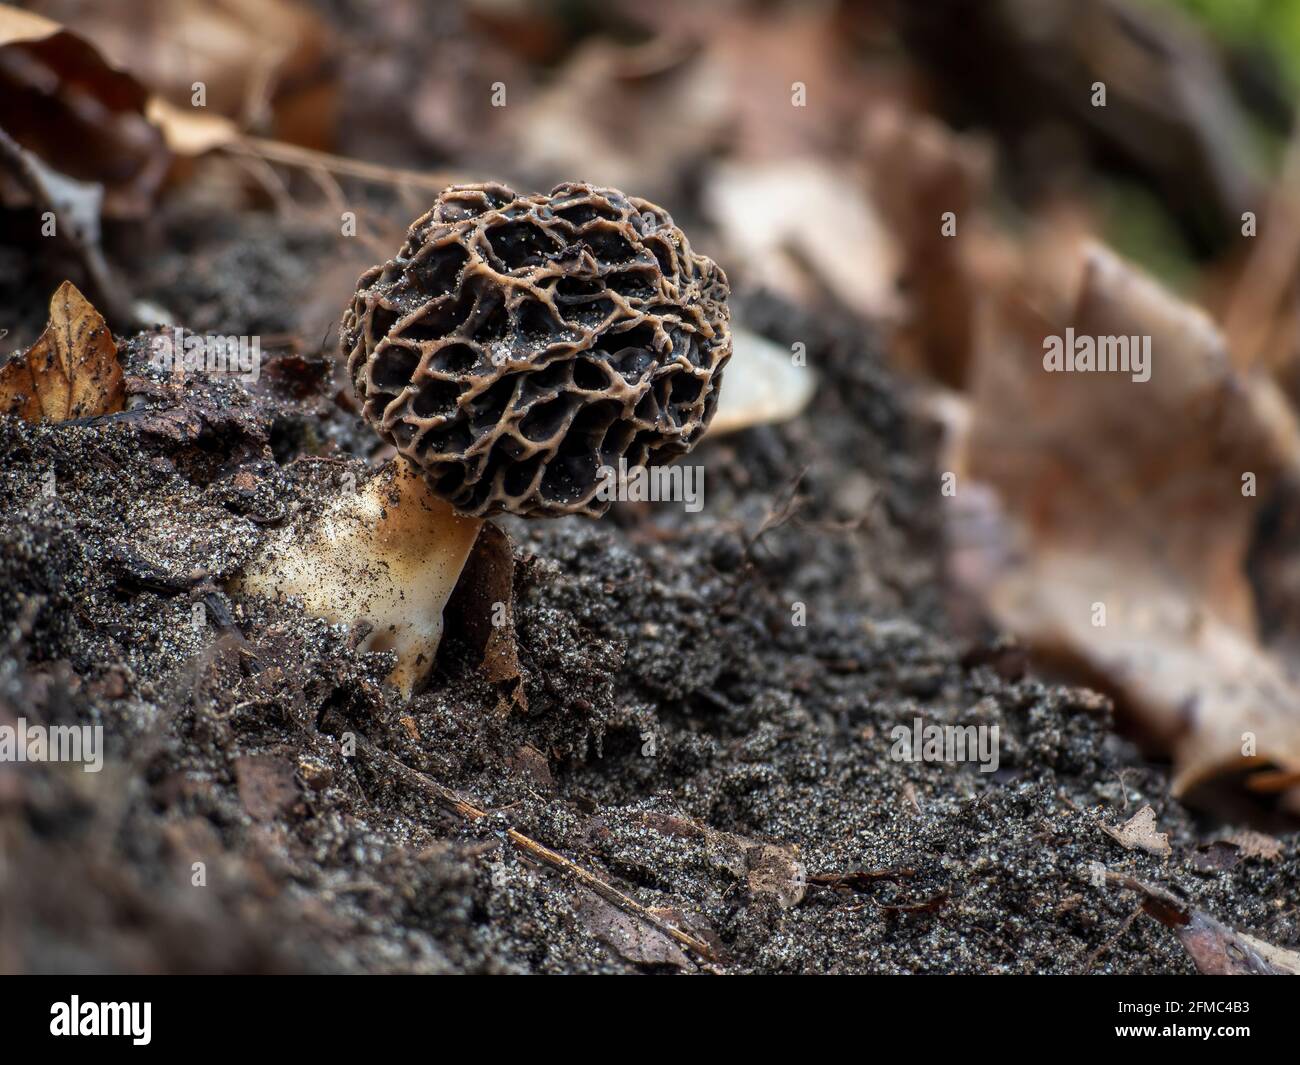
{"x":456,"y":803}
{"x":1128,"y":923}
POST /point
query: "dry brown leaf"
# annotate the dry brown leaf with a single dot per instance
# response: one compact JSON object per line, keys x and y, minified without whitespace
{"x":189,"y":131}
{"x":774,"y":870}
{"x":261,"y":62}
{"x":19,"y":25}
{"x":71,"y":371}
{"x":75,"y":144}
{"x":805,"y":228}
{"x":763,"y":58}
{"x":1258,"y":293}
{"x":704,"y":83}
{"x":1255,"y":844}
{"x":633,"y":939}
{"x":1127,"y":496}
{"x":1218,"y":950}
{"x":1214,"y":948}
{"x":919,"y":172}
{"x":628,"y":117}
{"x":1139,"y":833}
{"x":61,"y":101}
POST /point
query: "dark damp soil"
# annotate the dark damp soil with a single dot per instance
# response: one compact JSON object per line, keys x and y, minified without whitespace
{"x":685,"y":738}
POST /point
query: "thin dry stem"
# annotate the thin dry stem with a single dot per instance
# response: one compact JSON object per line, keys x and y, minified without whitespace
{"x":454,"y":802}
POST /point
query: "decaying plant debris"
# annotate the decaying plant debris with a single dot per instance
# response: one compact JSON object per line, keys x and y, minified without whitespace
{"x":661,"y":742}
{"x":70,"y":372}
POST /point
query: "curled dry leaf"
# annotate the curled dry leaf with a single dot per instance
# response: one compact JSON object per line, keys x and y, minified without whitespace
{"x":61,"y":101}
{"x":71,"y":371}
{"x":75,"y":144}
{"x":1126,"y":514}
{"x":1214,"y":948}
{"x":190,"y":132}
{"x":1219,"y":950}
{"x":1139,"y":833}
{"x":75,"y":207}
{"x":261,"y":62}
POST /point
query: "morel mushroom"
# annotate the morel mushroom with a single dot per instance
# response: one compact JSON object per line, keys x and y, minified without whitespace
{"x":517,"y":344}
{"x":512,"y":350}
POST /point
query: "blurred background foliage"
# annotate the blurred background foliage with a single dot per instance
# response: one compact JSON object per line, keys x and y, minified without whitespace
{"x":1270,"y":27}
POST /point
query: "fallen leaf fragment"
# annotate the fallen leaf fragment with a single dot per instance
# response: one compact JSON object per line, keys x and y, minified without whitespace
{"x":1218,"y":950}
{"x":1227,"y":851}
{"x":83,"y":117}
{"x":775,"y":870}
{"x":1216,"y":857}
{"x":1256,"y":844}
{"x":582,"y":121}
{"x":764,"y":385}
{"x":264,"y":63}
{"x":634,"y":940}
{"x":1124,"y":526}
{"x":1214,"y":948}
{"x":530,"y":765}
{"x":19,"y":25}
{"x":71,"y":371}
{"x":190,"y":132}
{"x":807,"y":230}
{"x":1139,"y":833}
{"x":924,"y":175}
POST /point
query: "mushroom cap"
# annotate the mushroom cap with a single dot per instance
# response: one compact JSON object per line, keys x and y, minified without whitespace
{"x":517,"y":344}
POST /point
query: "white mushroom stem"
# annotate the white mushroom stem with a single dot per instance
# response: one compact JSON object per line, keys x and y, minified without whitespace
{"x":387,"y":555}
